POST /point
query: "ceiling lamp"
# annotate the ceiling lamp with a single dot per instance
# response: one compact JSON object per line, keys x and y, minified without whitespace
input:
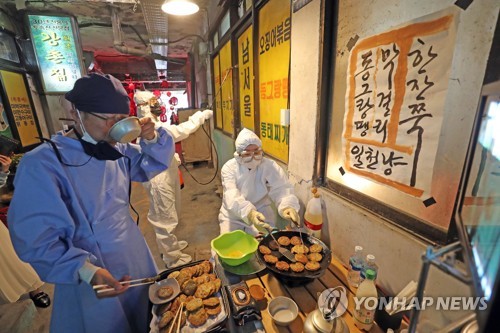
{"x":180,"y":7}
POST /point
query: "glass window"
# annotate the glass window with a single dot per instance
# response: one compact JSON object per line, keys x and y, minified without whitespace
{"x":8,"y":49}
{"x":225,"y":24}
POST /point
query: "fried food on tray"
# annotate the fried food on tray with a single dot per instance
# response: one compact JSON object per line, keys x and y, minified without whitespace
{"x":313,"y":266}
{"x":194,"y":304}
{"x":297,"y":267}
{"x":207,"y":267}
{"x":269,"y":258}
{"x":189,"y":287}
{"x":282,"y":266}
{"x":164,"y":292}
{"x":302,"y":258}
{"x":165,"y":319}
{"x":314,"y":256}
{"x":295,"y":240}
{"x":214,"y":310}
{"x":316,"y":248}
{"x":218,"y":285}
{"x":284,"y":241}
{"x":174,"y":275}
{"x":264,"y":249}
{"x":198,"y":317}
{"x":211,"y":302}
{"x":301,"y":249}
{"x":161,"y":309}
{"x":205,"y":290}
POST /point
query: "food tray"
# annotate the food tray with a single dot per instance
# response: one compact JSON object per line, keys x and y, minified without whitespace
{"x":213,"y":324}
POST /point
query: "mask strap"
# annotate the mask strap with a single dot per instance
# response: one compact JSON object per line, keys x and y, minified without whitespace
{"x":58,"y":153}
{"x":130,"y":189}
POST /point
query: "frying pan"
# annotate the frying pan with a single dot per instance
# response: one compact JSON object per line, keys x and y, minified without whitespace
{"x":290,"y":276}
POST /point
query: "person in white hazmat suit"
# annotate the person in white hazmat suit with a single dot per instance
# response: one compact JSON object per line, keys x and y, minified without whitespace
{"x":164,"y":189}
{"x":251,"y":184}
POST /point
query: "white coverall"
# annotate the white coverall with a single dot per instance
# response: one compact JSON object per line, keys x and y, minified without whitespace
{"x":256,"y":189}
{"x":164,"y":189}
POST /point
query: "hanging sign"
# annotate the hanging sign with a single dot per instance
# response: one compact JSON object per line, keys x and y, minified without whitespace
{"x":20,"y":105}
{"x":56,"y":51}
{"x":245,"y":61}
{"x":274,"y":60}
{"x":397,"y":83}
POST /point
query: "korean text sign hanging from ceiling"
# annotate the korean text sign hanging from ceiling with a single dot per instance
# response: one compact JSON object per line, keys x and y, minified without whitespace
{"x":56,"y":51}
{"x":274,"y":60}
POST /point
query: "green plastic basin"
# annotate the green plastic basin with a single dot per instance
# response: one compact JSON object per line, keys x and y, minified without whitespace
{"x":235,"y":247}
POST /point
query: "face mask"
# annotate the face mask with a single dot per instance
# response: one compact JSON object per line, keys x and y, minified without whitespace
{"x":85,"y":136}
{"x":252,"y":164}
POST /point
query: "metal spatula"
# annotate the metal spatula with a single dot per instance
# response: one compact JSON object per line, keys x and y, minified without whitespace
{"x":285,"y":252}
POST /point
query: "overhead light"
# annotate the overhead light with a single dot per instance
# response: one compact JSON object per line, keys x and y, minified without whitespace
{"x":180,"y":7}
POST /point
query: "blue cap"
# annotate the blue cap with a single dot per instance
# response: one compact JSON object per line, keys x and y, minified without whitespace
{"x":99,"y":93}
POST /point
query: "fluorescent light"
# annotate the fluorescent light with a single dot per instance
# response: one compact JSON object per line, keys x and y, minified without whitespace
{"x":180,"y":7}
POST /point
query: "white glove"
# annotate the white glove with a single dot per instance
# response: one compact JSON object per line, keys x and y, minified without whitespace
{"x":291,"y":215}
{"x":257,"y":219}
{"x":207,"y":114}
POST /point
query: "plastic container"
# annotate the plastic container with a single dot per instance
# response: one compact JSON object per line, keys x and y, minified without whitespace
{"x":313,"y":217}
{"x":355,"y":267}
{"x":364,"y":315}
{"x":369,"y":264}
{"x":235,"y":247}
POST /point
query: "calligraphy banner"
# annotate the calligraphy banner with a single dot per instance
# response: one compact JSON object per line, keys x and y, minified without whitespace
{"x":56,"y":51}
{"x":274,"y":61}
{"x":245,"y":61}
{"x":20,"y":106}
{"x":397,"y":83}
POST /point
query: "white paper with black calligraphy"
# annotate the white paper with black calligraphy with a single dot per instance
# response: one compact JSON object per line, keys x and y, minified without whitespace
{"x":397,"y":85}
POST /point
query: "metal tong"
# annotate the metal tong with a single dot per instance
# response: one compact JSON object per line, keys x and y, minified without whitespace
{"x":285,"y":252}
{"x":132,"y":283}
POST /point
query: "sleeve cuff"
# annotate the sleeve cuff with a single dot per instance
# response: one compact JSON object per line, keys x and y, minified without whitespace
{"x":153,"y":140}
{"x":87,"y":271}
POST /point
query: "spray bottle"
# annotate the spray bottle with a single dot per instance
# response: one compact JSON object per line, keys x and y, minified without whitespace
{"x":313,"y":217}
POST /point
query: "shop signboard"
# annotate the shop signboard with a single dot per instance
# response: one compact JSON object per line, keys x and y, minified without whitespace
{"x":274,"y":61}
{"x":20,"y":106}
{"x":226,"y":71}
{"x":245,"y":61}
{"x":56,"y":48}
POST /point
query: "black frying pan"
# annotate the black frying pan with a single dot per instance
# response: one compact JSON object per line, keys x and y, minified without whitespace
{"x":291,"y":276}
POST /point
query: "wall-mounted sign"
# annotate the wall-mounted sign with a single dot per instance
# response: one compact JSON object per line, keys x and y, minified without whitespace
{"x":397,"y":83}
{"x":56,"y":51}
{"x":245,"y":61}
{"x":20,"y":105}
{"x":274,"y":60}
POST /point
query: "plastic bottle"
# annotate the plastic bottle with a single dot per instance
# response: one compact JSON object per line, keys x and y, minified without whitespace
{"x":355,"y":267}
{"x":369,"y":264}
{"x":363,"y":316}
{"x":313,"y":217}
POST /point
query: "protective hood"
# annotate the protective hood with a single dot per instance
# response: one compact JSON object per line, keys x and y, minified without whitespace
{"x":142,"y":97}
{"x":246,"y":138}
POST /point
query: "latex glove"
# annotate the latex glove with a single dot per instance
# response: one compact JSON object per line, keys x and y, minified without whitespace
{"x":103,"y":276}
{"x":291,"y":215}
{"x":257,"y":219}
{"x":207,"y":114}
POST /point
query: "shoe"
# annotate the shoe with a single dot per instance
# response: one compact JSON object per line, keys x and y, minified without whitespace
{"x":182,"y":260}
{"x":182,"y":244}
{"x":41,"y":300}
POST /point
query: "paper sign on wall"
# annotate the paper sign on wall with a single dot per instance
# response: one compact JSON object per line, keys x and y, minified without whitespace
{"x":397,"y":83}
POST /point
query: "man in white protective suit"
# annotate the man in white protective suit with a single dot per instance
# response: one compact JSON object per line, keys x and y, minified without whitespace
{"x":251,"y":184}
{"x":164,"y":189}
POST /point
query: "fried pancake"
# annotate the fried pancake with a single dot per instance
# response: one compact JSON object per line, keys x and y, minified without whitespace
{"x":269,"y":258}
{"x":207,"y":267}
{"x":264,"y":250}
{"x":295,"y":240}
{"x":194,"y":304}
{"x":273,"y":245}
{"x":300,"y":249}
{"x":316,"y":248}
{"x":189,"y":287}
{"x":297,"y":267}
{"x":205,"y":290}
{"x":173,"y":275}
{"x":164,"y":292}
{"x":313,"y":266}
{"x":314,"y":256}
{"x":165,"y":319}
{"x":282,"y":266}
{"x":302,"y":258}
{"x":214,"y":310}
{"x":284,"y":241}
{"x":198,"y":317}
{"x":211,"y":302}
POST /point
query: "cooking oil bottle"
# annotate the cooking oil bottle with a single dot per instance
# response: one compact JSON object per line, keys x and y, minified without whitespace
{"x":313,"y":217}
